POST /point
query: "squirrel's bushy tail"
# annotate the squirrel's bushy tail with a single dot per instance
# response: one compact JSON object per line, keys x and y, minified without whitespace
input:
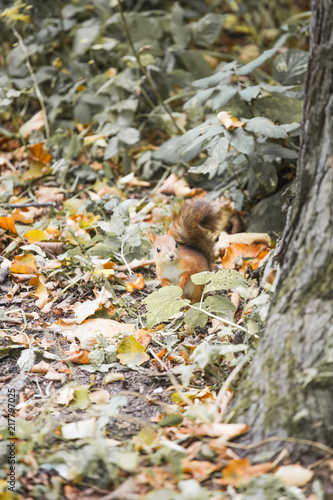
{"x":195,"y":223}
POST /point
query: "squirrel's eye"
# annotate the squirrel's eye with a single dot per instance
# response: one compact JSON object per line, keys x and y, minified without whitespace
{"x":158,"y":249}
{"x":176,"y":245}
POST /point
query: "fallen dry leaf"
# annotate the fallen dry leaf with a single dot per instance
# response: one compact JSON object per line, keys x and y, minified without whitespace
{"x":178,"y":186}
{"x":35,"y":123}
{"x":131,"y":352}
{"x":8,"y":223}
{"x":228,"y":121}
{"x":100,"y":397}
{"x":113,"y":377}
{"x":80,"y":357}
{"x":226,"y":239}
{"x":41,"y":367}
{"x":35,"y":235}
{"x":65,"y":396}
{"x":27,"y":215}
{"x":143,"y":337}
{"x":41,"y":290}
{"x":199,"y":469}
{"x":294,"y":475}
{"x":55,"y":376}
{"x":241,"y":471}
{"x":24,"y":264}
{"x":239,"y":256}
{"x":88,"y":329}
{"x":40,"y":154}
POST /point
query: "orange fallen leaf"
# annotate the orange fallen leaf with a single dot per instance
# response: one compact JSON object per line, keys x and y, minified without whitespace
{"x":79,"y":357}
{"x":239,"y":256}
{"x":199,"y":469}
{"x":228,"y":121}
{"x":138,"y":283}
{"x":131,"y":352}
{"x":241,"y":471}
{"x":40,"y":154}
{"x":143,"y":337}
{"x":41,"y":290}
{"x":24,"y":264}
{"x":8,"y":223}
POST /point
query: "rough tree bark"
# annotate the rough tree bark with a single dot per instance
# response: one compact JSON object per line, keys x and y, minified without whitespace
{"x":288,"y":390}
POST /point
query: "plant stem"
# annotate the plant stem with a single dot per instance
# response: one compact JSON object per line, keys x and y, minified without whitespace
{"x":222,"y":320}
{"x":144,"y":71}
{"x":34,"y":81}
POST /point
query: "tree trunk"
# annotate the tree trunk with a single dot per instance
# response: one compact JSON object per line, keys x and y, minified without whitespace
{"x":288,"y":390}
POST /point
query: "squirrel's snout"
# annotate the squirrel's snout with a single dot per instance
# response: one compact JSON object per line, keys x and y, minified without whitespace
{"x":171,"y":256}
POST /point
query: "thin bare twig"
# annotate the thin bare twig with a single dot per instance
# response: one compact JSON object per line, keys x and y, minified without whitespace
{"x":307,"y":442}
{"x":229,"y":379}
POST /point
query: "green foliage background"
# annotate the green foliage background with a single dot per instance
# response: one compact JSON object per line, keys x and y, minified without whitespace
{"x":149,"y":77}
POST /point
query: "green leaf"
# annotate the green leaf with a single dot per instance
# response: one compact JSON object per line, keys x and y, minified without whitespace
{"x":170,"y":420}
{"x":81,"y":398}
{"x":250,"y":93}
{"x":280,"y":109}
{"x":266,"y":127}
{"x":266,"y":175}
{"x":290,"y":67}
{"x":221,"y":306}
{"x":85,"y":35}
{"x":199,"y":99}
{"x":168,"y":151}
{"x":215,"y":159}
{"x":269,"y":148}
{"x":129,"y":136}
{"x":196,"y":318}
{"x":207,"y":354}
{"x":225,"y":280}
{"x":267,"y":54}
{"x":217,"y":78}
{"x":223,"y":95}
{"x":163,"y":303}
{"x":240,"y":140}
{"x":112,"y":148}
{"x":207,"y":29}
{"x":181,"y":33}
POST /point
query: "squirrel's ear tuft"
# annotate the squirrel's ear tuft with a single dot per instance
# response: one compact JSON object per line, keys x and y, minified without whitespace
{"x":151,"y":238}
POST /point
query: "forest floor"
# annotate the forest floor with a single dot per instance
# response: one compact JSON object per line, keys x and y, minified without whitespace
{"x":105,"y":406}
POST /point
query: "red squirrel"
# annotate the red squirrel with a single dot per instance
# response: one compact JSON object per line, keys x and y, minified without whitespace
{"x":188,"y":248}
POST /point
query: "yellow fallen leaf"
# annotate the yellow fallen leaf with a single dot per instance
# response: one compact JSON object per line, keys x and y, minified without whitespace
{"x":41,"y":290}
{"x":113,"y":377}
{"x":24,"y":264}
{"x":131,"y":352}
{"x":35,"y":235}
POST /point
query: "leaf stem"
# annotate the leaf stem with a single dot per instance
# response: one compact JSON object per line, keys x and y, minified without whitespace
{"x":222,"y":320}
